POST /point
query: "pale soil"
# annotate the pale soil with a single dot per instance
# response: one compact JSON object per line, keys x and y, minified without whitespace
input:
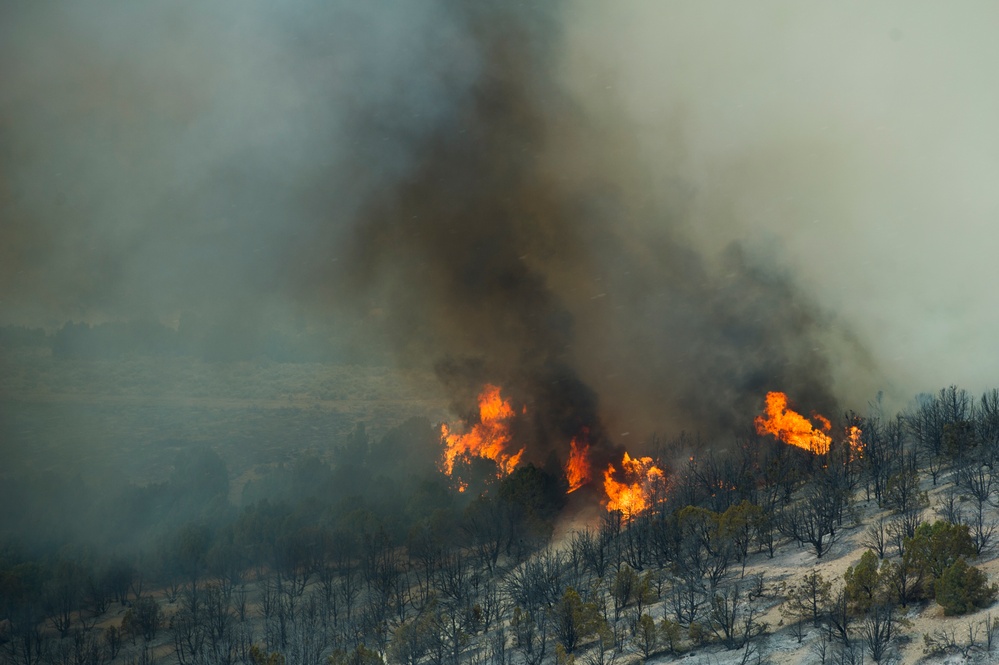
{"x":780,"y":645}
{"x":791,"y":562}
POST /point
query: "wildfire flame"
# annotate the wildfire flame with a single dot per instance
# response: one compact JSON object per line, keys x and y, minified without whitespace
{"x":856,"y":444}
{"x":487,"y":439}
{"x":793,"y":428}
{"x":577,"y":469}
{"x":635,"y":494}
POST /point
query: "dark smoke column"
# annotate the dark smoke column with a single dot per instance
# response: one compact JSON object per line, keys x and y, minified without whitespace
{"x":505,"y":256}
{"x":453,"y":251}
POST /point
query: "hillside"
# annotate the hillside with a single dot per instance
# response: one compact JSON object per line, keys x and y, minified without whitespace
{"x":355,"y":548}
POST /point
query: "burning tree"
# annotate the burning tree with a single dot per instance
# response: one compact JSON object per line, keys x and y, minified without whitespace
{"x":577,"y":469}
{"x":487,"y":439}
{"x":793,"y":428}
{"x":634,"y":493}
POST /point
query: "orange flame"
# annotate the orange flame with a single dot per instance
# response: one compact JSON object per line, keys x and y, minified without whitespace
{"x":487,"y":439}
{"x":577,"y":469}
{"x":633,"y":496}
{"x":856,"y":444}
{"x":793,"y":428}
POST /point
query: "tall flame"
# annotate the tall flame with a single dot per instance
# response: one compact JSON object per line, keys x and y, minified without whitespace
{"x":856,"y":444}
{"x":793,"y":428}
{"x":487,"y":439}
{"x":577,"y":469}
{"x":635,"y":494}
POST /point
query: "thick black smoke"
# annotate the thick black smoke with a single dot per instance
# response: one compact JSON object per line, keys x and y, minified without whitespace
{"x":507,"y":256}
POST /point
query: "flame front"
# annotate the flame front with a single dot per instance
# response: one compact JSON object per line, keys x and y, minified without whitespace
{"x":577,"y":469}
{"x":487,"y":439}
{"x":791,"y":427}
{"x":635,"y":494}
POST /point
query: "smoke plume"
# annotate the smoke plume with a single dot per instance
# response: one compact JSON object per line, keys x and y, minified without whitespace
{"x":633,"y":221}
{"x":510,"y":254}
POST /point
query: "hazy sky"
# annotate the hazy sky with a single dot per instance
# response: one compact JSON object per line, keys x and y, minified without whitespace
{"x":223,"y":157}
{"x":852,"y":143}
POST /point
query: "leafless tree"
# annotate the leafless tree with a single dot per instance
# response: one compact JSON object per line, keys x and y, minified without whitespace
{"x":26,"y":645}
{"x":485,"y":523}
{"x":733,"y":619}
{"x":876,"y":537}
{"x":189,"y":638}
{"x":539,"y":582}
{"x":87,"y":649}
{"x":976,"y":480}
{"x":532,"y":636}
{"x":307,"y":644}
{"x":492,"y":605}
{"x":635,"y":541}
{"x":96,"y":595}
{"x":63,"y":593}
{"x":950,"y":508}
{"x":119,"y":574}
{"x":940,"y":424}
{"x":986,"y":422}
{"x":879,"y":631}
{"x":904,"y":498}
{"x":883,"y":440}
{"x":809,"y":522}
{"x":592,"y":547}
{"x":349,"y":591}
{"x":925,"y":422}
{"x":808,"y":601}
{"x":702,"y":551}
{"x":685,"y":599}
{"x":839,"y":618}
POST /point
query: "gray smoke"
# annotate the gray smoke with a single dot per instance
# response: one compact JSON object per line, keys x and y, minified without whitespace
{"x":633,"y":221}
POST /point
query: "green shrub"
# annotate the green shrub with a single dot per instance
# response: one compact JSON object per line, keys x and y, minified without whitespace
{"x":936,"y":546}
{"x":646,"y":635}
{"x":962,"y":588}
{"x":697,"y":633}
{"x":670,"y":636}
{"x":574,"y":619}
{"x":863,"y":582}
